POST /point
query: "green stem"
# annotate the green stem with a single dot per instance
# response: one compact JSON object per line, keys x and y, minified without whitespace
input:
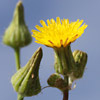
{"x":66,"y":92}
{"x":17,"y":59}
{"x":19,"y":97}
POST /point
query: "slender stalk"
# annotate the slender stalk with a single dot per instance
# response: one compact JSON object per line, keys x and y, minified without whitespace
{"x":66,"y":92}
{"x":66,"y":95}
{"x":19,"y":97}
{"x":17,"y":59}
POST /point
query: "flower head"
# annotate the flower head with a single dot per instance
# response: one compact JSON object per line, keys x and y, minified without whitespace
{"x":58,"y":33}
{"x":17,"y":34}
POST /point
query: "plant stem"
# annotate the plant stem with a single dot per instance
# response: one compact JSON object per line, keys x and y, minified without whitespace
{"x":19,"y":97}
{"x":66,"y":92}
{"x":17,"y":59}
{"x":65,"y":95}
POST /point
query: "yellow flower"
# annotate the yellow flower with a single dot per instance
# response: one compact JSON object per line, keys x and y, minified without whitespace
{"x":58,"y":33}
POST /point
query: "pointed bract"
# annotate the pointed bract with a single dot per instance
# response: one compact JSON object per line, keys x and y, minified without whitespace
{"x":26,"y":80}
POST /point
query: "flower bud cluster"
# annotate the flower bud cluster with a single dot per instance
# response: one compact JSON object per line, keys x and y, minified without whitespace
{"x":70,"y":65}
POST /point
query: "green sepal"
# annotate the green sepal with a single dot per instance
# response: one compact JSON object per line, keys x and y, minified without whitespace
{"x":17,"y":34}
{"x":64,"y":61}
{"x":26,"y":80}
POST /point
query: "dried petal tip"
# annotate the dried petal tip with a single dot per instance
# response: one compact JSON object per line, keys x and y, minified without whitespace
{"x":17,"y":34}
{"x":19,"y":3}
{"x":26,"y":81}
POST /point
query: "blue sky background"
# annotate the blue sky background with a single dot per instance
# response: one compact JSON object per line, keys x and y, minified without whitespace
{"x":88,"y":88}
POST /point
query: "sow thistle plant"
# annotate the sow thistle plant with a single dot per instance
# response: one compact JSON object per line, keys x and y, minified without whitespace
{"x":58,"y":35}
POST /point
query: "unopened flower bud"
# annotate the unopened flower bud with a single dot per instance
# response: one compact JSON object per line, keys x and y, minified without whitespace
{"x":26,"y":80}
{"x":80,"y":58}
{"x":17,"y":34}
{"x":55,"y":80}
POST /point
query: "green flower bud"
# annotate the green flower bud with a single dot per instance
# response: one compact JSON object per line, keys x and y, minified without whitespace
{"x":80,"y":60}
{"x":64,"y":61}
{"x":55,"y":80}
{"x":17,"y":34}
{"x":26,"y":80}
